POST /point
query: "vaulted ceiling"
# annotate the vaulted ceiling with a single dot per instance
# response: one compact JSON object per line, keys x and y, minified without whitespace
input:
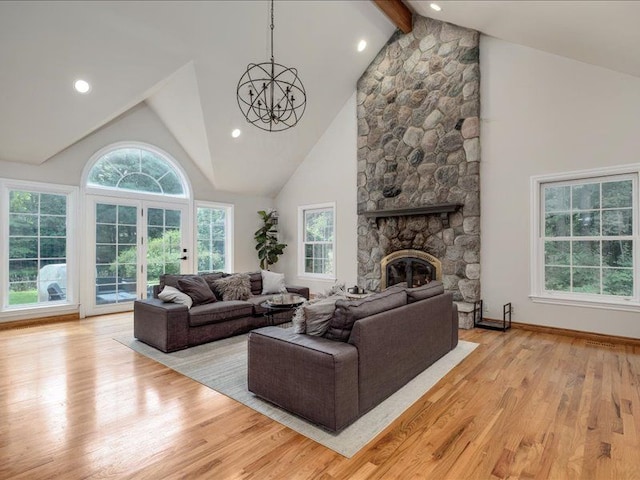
{"x":184,"y":60}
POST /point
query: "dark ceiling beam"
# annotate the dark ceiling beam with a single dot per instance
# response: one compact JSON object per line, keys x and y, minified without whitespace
{"x":397,"y":12}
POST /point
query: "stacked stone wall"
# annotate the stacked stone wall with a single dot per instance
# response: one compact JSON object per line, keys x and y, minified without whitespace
{"x":419,"y":145}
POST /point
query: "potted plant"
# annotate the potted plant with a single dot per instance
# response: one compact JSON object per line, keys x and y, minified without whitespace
{"x":266,"y":237}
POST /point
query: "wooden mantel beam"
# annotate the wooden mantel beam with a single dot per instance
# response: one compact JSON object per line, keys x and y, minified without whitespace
{"x":397,"y":12}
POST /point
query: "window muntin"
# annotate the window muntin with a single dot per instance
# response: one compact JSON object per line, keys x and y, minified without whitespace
{"x":138,"y":170}
{"x":37,"y":247}
{"x":213,"y":238}
{"x":318,"y":241}
{"x":588,"y":238}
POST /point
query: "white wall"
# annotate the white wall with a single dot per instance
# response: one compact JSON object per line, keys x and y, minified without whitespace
{"x":542,"y":114}
{"x":143,"y":125}
{"x":327,"y":174}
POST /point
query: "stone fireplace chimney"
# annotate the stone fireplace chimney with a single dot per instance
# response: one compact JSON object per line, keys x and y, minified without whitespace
{"x":419,"y":154}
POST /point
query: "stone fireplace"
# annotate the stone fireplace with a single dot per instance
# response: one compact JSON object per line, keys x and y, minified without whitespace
{"x":418,"y":157}
{"x":414,"y":267}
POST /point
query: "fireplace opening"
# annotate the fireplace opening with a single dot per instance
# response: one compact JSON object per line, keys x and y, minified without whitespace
{"x":412,"y":266}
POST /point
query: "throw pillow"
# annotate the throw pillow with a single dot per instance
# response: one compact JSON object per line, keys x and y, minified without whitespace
{"x":318,"y":315}
{"x":256,"y":282}
{"x":313,"y":316}
{"x":210,"y":278}
{"x":197,"y":289}
{"x":173,"y":295}
{"x":234,"y":287}
{"x":337,"y":288}
{"x":299,"y":320}
{"x":272,"y":282}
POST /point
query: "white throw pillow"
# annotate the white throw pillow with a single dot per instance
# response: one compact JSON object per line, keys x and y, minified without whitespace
{"x":173,"y":295}
{"x":272,"y":282}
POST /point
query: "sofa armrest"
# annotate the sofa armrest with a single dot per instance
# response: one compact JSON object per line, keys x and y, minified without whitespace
{"x":312,"y":377}
{"x":164,"y":326}
{"x":304,"y":291}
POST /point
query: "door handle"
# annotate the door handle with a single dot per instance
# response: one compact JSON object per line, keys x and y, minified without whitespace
{"x":183,"y":258}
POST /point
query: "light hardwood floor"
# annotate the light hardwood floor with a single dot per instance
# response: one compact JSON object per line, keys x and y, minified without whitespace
{"x":74,"y":403}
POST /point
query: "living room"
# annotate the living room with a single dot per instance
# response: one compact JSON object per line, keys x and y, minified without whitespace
{"x":544,"y":117}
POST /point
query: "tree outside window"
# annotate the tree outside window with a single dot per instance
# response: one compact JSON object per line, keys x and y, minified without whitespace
{"x":37,"y":247}
{"x":318,"y":245}
{"x":588,"y":237}
{"x":213,"y":238}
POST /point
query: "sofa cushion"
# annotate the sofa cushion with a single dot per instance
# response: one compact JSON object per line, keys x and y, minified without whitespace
{"x":257,"y":301}
{"x":173,"y":295}
{"x":431,"y":289}
{"x":272,"y":282}
{"x":196,"y":287}
{"x":348,"y":311}
{"x":234,"y":287}
{"x":255,"y":279}
{"x":219,"y":312}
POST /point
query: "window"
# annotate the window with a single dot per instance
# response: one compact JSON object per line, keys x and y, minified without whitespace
{"x":137,"y":169}
{"x":214,"y":238}
{"x":317,"y":248}
{"x":138,"y":224}
{"x":586,"y":238}
{"x":37,"y":251}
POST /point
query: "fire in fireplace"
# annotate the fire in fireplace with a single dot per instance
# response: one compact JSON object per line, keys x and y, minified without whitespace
{"x":412,"y":266}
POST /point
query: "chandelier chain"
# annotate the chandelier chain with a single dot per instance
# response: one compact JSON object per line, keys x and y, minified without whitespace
{"x":272,"y":26}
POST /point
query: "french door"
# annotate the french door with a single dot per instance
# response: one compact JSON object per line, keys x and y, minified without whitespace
{"x":134,"y":242}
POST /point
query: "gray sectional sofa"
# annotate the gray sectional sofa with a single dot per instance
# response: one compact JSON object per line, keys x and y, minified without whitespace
{"x":371,"y":348}
{"x":171,"y":326}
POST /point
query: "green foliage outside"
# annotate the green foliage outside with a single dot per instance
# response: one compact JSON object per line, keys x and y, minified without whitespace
{"x":319,"y":226}
{"x":163,"y":254}
{"x":211,"y":239}
{"x":319,"y":241}
{"x":37,"y":237}
{"x":23,"y":298}
{"x":602,"y":264}
{"x":267,"y":245}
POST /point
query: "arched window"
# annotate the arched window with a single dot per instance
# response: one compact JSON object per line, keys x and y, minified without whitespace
{"x":137,"y":169}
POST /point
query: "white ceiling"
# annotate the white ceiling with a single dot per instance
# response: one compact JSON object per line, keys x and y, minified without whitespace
{"x":604,"y":33}
{"x":184,"y":60}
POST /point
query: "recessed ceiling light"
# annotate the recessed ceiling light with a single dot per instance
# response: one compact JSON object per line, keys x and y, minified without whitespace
{"x":436,"y":7}
{"x":82,"y":86}
{"x":236,"y":133}
{"x":362,"y":45}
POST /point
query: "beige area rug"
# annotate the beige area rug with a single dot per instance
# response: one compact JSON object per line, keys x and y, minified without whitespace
{"x":222,"y":366}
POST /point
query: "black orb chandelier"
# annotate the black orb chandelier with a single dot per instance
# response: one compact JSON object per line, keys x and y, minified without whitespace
{"x":270,"y":95}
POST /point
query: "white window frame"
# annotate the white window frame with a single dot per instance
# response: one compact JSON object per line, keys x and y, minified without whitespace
{"x":301,"y":241}
{"x":71,"y":303}
{"x":538,"y":292}
{"x":228,"y":229}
